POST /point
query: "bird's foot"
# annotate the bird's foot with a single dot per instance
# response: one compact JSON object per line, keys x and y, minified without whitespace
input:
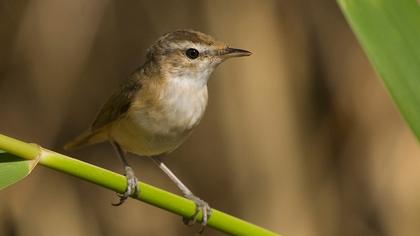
{"x":200,"y":206}
{"x":131,"y":186}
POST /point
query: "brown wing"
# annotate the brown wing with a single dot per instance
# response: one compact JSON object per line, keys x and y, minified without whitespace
{"x":118,"y":104}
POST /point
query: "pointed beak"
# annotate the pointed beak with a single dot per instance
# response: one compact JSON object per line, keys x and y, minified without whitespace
{"x":234,"y":52}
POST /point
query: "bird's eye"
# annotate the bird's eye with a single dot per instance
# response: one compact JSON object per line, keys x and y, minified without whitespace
{"x":192,"y":53}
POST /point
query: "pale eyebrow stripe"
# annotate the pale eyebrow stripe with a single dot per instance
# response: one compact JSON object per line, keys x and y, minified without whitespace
{"x":186,"y":45}
{"x":204,"y":53}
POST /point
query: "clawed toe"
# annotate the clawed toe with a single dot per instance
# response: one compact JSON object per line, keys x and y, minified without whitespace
{"x":131,"y":186}
{"x":200,"y":206}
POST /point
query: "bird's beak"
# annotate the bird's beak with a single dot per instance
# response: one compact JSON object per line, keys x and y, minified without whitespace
{"x":234,"y":52}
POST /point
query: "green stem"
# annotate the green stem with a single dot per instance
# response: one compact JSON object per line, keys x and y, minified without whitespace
{"x":116,"y":182}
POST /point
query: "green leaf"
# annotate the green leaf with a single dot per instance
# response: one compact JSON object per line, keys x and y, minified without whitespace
{"x":389,"y":31}
{"x":13,"y":168}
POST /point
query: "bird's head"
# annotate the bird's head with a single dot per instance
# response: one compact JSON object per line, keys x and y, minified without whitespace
{"x":190,"y":54}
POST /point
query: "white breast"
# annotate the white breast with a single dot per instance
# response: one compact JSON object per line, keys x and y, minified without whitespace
{"x":180,"y":106}
{"x":162,"y":128}
{"x":183,"y":104}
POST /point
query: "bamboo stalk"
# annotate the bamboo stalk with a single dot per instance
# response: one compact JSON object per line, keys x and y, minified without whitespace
{"x":116,"y":182}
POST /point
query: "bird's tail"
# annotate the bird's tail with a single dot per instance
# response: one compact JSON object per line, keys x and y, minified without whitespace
{"x":85,"y":139}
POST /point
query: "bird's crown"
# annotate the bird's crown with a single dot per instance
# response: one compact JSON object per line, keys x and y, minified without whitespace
{"x":183,"y":40}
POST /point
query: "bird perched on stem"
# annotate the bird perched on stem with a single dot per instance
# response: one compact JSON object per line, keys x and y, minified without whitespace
{"x":157,"y":108}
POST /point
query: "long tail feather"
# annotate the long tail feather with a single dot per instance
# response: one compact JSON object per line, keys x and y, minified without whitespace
{"x":85,"y":139}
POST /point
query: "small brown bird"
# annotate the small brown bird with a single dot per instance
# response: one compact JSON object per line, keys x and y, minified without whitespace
{"x":159,"y":105}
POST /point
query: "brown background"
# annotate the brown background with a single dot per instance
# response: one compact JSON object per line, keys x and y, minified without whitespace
{"x":301,"y":137}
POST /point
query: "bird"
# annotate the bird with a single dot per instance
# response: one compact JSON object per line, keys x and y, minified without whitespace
{"x":158,"y":106}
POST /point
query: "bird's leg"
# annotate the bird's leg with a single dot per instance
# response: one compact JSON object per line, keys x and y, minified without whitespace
{"x":200,"y":204}
{"x":129,"y":174}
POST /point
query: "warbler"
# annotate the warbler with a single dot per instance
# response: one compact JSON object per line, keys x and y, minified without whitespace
{"x":159,"y":105}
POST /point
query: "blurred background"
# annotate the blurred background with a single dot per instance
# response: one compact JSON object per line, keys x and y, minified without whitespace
{"x":301,"y":138}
